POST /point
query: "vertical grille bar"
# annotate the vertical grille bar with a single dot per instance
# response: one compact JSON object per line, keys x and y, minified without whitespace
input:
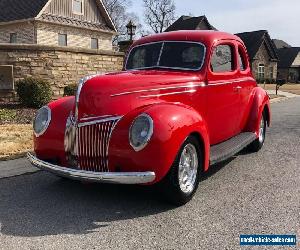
{"x":93,"y":143}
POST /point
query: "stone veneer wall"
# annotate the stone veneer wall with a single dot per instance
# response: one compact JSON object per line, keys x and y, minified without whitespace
{"x":25,"y":32}
{"x":47,"y":34}
{"x":262,"y":57}
{"x":60,"y":66}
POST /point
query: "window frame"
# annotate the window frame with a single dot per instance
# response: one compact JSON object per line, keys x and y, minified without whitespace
{"x":162,"y":67}
{"x":95,"y":39}
{"x":263,"y":72}
{"x":66,"y":36}
{"x":82,"y":8}
{"x":11,"y":36}
{"x":234,"y":57}
{"x":241,"y":53}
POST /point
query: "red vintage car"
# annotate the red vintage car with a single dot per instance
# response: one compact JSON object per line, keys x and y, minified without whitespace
{"x":185,"y":100}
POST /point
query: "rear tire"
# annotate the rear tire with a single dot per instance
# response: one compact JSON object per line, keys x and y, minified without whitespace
{"x":182,"y":180}
{"x":259,"y":142}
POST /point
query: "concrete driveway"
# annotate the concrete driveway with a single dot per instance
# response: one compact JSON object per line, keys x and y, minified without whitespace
{"x":251,"y":194}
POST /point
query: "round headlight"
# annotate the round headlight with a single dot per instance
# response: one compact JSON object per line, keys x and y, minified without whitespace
{"x":140,"y":132}
{"x":41,"y":121}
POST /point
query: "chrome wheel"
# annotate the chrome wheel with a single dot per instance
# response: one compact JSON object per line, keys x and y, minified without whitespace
{"x":187,"y":170}
{"x":262,"y":126}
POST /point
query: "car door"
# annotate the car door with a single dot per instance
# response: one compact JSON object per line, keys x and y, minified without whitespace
{"x":246,"y":84}
{"x":222,"y":93}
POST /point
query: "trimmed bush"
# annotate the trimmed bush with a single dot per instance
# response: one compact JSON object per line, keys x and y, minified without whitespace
{"x":34,"y":93}
{"x":70,"y":90}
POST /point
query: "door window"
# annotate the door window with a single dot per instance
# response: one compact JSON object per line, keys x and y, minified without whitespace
{"x":242,"y":60}
{"x":222,"y":59}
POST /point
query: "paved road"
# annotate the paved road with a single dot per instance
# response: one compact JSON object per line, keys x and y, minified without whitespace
{"x":253,"y":193}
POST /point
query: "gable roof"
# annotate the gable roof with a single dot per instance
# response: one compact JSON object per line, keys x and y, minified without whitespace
{"x":12,"y":10}
{"x":287,"y":56}
{"x":279,"y":44}
{"x":189,"y":23}
{"x":254,"y":39}
{"x":20,"y":10}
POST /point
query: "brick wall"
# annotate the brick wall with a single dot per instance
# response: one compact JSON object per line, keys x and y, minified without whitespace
{"x":47,"y":34}
{"x":24,"y":31}
{"x":58,"y":65}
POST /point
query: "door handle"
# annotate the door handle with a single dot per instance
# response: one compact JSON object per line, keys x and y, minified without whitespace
{"x":237,"y":88}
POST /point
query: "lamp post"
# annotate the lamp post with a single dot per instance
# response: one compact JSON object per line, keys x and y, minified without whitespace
{"x":131,"y":28}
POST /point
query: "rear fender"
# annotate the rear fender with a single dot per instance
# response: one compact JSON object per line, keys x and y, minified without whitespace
{"x":260,"y":103}
{"x":173,"y":123}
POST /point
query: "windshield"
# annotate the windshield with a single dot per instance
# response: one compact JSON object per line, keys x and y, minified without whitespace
{"x":171,"y":55}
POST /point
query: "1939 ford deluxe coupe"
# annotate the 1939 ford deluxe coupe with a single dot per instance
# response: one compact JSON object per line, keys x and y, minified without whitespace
{"x":185,"y":100}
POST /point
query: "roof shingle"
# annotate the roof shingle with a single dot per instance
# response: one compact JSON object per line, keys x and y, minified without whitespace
{"x":189,"y":23}
{"x":12,"y":10}
{"x":254,"y":39}
{"x":287,"y":56}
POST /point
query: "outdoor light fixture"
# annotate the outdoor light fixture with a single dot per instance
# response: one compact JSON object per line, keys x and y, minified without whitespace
{"x":131,"y":28}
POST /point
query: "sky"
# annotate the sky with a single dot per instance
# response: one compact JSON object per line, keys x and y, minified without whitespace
{"x":280,"y":17}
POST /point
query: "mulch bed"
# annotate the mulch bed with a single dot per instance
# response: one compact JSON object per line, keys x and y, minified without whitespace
{"x":15,"y":113}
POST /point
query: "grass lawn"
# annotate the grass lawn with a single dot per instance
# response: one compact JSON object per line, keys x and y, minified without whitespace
{"x":15,"y":130}
{"x":290,"y":87}
{"x":15,"y":140}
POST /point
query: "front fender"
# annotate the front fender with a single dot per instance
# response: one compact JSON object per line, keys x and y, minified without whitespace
{"x":260,"y":101}
{"x":51,"y":144}
{"x":173,"y":123}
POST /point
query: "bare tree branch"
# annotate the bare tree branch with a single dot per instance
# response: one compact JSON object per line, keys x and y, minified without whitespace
{"x":118,"y":10}
{"x":159,"y":14}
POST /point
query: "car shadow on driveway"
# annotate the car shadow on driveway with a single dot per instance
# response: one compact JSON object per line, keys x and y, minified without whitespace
{"x":42,"y":204}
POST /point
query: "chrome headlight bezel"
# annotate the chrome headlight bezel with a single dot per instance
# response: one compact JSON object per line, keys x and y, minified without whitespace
{"x":47,"y":122}
{"x":147,"y":137}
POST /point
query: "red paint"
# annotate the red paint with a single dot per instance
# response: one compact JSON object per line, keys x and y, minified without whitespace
{"x":226,"y":104}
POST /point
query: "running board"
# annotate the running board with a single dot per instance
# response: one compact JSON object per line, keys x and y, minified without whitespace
{"x":229,"y":148}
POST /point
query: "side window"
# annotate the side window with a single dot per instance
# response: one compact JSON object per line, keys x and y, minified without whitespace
{"x":222,"y":59}
{"x":242,"y":60}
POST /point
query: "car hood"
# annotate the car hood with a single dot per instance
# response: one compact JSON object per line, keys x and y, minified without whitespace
{"x":118,"y":93}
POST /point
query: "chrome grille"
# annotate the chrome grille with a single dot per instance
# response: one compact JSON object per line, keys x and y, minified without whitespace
{"x":93,"y":143}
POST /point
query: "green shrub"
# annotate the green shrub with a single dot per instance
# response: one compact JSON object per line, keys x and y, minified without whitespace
{"x":70,"y":90}
{"x":34,"y":93}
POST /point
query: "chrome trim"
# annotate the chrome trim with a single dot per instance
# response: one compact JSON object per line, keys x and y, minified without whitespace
{"x":113,"y":118}
{"x":46,"y":125}
{"x":157,"y":65}
{"x":102,"y":177}
{"x":201,"y":84}
{"x":215,"y":83}
{"x":95,"y":117}
{"x":139,"y":148}
{"x":82,"y":81}
{"x":171,"y":93}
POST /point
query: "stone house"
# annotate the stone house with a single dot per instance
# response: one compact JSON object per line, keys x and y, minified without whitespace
{"x":70,"y":23}
{"x":191,"y":23}
{"x":262,"y":54}
{"x":289,"y":64}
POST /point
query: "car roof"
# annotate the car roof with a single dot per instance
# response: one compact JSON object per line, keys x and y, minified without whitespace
{"x":207,"y":37}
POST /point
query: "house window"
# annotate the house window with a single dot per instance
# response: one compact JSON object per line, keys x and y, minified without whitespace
{"x":62,"y":40}
{"x":271,"y":73}
{"x":78,"y":7}
{"x":94,"y":43}
{"x":222,"y":59}
{"x":261,"y":71}
{"x":13,"y":38}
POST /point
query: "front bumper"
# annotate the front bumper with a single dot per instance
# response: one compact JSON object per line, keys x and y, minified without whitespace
{"x":102,"y":177}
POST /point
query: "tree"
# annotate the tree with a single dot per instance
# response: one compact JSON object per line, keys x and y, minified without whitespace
{"x":159,"y":14}
{"x":117,"y":10}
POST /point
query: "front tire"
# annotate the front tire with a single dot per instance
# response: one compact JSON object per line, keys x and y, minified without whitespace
{"x":182,"y":180}
{"x":259,"y":142}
